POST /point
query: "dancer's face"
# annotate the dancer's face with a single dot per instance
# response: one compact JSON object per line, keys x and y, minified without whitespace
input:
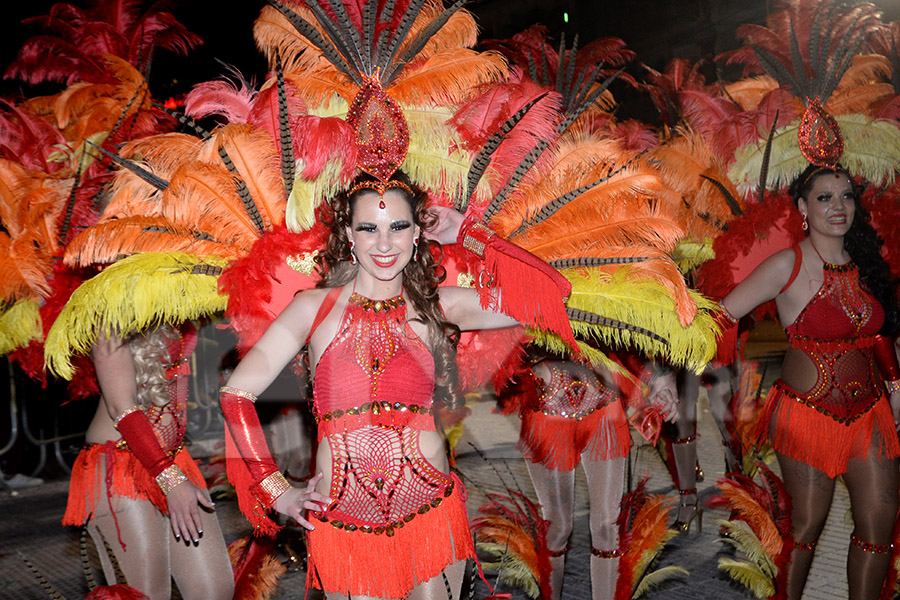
{"x":382,"y":231}
{"x":829,"y":206}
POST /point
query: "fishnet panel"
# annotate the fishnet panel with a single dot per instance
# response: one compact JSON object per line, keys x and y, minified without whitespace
{"x":380,"y":477}
{"x":170,"y":421}
{"x":842,"y":382}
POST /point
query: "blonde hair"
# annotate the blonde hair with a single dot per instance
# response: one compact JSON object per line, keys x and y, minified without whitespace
{"x":150,"y":353}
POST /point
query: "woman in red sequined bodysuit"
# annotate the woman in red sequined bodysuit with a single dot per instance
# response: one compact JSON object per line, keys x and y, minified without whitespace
{"x":386,"y":518}
{"x":135,"y":486}
{"x":573,"y":414}
{"x":829,"y":415}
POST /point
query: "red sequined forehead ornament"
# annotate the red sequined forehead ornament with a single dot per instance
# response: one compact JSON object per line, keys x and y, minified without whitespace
{"x":382,"y":135}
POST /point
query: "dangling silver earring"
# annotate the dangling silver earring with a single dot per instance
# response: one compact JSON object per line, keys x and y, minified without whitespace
{"x":805,"y":224}
{"x":352,"y":253}
{"x":416,"y":249}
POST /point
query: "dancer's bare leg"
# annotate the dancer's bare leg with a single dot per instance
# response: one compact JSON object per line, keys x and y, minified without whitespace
{"x":606,"y":484}
{"x":202,"y":571}
{"x":872,"y":484}
{"x":811,"y":492}
{"x":556,"y":495}
{"x":721,"y":391}
{"x":685,"y":447}
{"x":145,"y":532}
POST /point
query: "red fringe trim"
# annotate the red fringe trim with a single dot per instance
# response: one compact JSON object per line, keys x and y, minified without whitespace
{"x":365,"y":564}
{"x":128,"y":478}
{"x":557,"y":442}
{"x":808,"y":436}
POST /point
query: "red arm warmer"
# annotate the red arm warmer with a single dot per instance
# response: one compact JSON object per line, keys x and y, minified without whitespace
{"x":532,"y":291}
{"x":138,"y":433}
{"x":886,"y":358}
{"x":251,"y":469}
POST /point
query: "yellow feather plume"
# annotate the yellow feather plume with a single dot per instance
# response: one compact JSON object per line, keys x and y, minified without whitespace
{"x":131,"y":295}
{"x":20,"y":324}
{"x":871,"y":150}
{"x":307,"y":195}
{"x":746,"y":506}
{"x":748,"y":575}
{"x":647,"y":304}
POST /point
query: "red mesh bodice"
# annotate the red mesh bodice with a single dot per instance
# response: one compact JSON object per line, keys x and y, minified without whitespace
{"x":170,"y":421}
{"x":573,"y":394}
{"x":836,"y":330}
{"x":375,"y":371}
{"x":372,"y":397}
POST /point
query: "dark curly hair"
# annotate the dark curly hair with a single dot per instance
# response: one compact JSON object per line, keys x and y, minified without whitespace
{"x":421,"y":277}
{"x":863,"y":245}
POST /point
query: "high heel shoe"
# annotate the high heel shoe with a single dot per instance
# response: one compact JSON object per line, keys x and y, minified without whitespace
{"x":684,"y":526}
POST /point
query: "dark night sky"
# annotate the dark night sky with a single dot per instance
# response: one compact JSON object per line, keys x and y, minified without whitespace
{"x":656,"y":29}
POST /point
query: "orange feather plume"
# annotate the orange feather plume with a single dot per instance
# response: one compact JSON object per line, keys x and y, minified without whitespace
{"x":257,"y":163}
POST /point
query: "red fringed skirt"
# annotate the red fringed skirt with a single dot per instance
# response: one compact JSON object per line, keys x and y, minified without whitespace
{"x":800,"y":431}
{"x":124,"y":476}
{"x":389,"y":562}
{"x":558,"y":442}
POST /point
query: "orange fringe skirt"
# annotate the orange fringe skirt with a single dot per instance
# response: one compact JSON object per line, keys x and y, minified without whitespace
{"x":558,"y":442}
{"x":805,"y":434}
{"x":124,"y":476}
{"x":389,"y":564}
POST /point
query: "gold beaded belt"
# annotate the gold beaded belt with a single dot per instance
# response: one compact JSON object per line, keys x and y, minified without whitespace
{"x":391,"y":528}
{"x":376,"y":408}
{"x":842,"y":420}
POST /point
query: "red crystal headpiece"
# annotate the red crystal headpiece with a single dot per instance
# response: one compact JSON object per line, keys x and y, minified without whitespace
{"x":381,"y":130}
{"x":381,"y":187}
{"x":821,"y":141}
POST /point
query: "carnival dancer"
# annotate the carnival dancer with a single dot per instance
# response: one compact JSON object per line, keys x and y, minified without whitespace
{"x":828,"y":415}
{"x":573,"y":414}
{"x":134,"y":485}
{"x":387,"y":518}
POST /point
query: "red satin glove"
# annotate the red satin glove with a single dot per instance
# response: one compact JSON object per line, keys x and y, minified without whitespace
{"x":886,"y":358}
{"x":138,"y":433}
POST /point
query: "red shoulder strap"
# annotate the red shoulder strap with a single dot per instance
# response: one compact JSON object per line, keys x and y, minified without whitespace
{"x":324,"y":309}
{"x":798,"y":258}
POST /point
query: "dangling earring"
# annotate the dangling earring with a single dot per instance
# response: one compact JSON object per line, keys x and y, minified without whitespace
{"x":416,"y":249}
{"x":352,"y":253}
{"x":805,"y":224}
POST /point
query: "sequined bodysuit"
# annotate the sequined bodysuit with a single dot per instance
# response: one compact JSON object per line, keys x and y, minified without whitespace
{"x":372,"y":396}
{"x":836,"y":331}
{"x":572,"y":413}
{"x":828,"y":407}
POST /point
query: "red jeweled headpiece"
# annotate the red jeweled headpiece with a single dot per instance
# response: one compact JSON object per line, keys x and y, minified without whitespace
{"x":381,"y":186}
{"x":381,"y":130}
{"x":821,"y":141}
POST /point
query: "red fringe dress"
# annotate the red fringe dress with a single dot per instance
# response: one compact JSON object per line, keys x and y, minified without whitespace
{"x":396,"y":520}
{"x":124,"y":474}
{"x":845,"y":412}
{"x":571,"y":414}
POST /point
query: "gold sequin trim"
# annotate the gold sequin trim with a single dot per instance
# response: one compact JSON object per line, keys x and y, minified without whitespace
{"x":236,"y":392}
{"x":303,"y":263}
{"x":169,"y":478}
{"x":842,"y":420}
{"x":125,"y":413}
{"x":474,"y":244}
{"x":376,"y":408}
{"x":273,"y":486}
